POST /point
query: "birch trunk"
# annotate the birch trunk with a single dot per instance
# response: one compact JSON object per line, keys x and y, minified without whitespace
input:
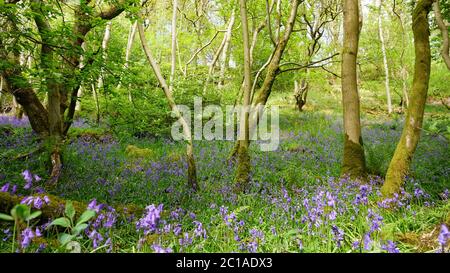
{"x":383,"y":51}
{"x":100,"y":80}
{"x":226,"y":47}
{"x":173,"y":60}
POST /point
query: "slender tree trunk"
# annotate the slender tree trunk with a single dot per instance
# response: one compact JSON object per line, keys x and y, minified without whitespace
{"x":174,"y":44}
{"x":404,"y":70}
{"x":100,"y":80}
{"x":130,"y":41}
{"x":443,"y":27}
{"x":226,"y":47}
{"x":383,"y":51}
{"x":216,"y":57}
{"x":354,"y":161}
{"x":401,"y":161}
{"x":81,"y":88}
{"x":192,"y":171}
{"x":243,"y":166}
{"x":272,"y":71}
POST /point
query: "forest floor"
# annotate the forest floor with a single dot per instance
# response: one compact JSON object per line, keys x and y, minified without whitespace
{"x":296,"y":202}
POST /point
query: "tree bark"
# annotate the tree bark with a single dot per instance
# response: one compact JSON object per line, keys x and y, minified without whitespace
{"x":243,"y":166}
{"x":404,"y":71}
{"x":353,"y":161}
{"x":226,"y":47}
{"x":272,"y":71}
{"x":383,"y":51}
{"x":173,"y":60}
{"x":192,"y":170}
{"x":401,"y":161}
{"x":100,"y":80}
{"x":444,"y":32}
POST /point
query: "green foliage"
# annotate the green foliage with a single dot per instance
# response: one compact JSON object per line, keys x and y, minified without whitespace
{"x":74,"y":228}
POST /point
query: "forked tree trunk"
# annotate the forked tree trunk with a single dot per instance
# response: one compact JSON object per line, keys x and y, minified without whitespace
{"x":401,"y":161}
{"x":192,"y":170}
{"x":273,"y":66}
{"x":383,"y":51}
{"x":353,"y":161}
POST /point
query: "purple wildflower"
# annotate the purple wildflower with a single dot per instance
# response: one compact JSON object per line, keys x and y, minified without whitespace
{"x":444,"y":235}
{"x":390,"y":247}
{"x":27,"y":236}
{"x":159,"y":249}
{"x":4,"y":188}
{"x":199,"y":230}
{"x":367,"y":241}
{"x":150,"y":221}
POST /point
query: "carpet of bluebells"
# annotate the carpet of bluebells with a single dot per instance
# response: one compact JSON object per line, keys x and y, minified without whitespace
{"x":296,"y":201}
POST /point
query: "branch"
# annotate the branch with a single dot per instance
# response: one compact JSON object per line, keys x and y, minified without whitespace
{"x":309,"y":65}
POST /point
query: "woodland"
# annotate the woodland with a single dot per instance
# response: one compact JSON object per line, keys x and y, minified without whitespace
{"x":357,"y":93}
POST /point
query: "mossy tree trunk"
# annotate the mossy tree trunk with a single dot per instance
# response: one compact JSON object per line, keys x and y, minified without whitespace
{"x":354,"y":161}
{"x":243,"y":166}
{"x":401,"y":161}
{"x":52,"y":124}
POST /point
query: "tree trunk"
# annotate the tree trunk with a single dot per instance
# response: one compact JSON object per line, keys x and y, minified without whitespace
{"x":404,"y":71}
{"x":81,"y":88}
{"x":174,"y":44}
{"x":271,"y":74}
{"x":192,"y":170}
{"x":400,"y":163}
{"x":100,"y":80}
{"x":243,"y":166}
{"x":354,"y":161}
{"x":383,"y":51}
{"x":444,"y":31}
{"x":130,"y":41}
{"x":217,"y":54}
{"x":226,"y":47}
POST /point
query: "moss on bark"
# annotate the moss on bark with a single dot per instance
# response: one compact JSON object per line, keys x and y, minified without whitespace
{"x":354,"y":160}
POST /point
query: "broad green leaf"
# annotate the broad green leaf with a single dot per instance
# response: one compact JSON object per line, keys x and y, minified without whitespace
{"x":6,"y":217}
{"x":69,"y":210}
{"x":79,"y":228}
{"x":64,"y":238}
{"x":63,"y":222}
{"x":20,"y":211}
{"x":34,"y":215}
{"x":86,"y":216}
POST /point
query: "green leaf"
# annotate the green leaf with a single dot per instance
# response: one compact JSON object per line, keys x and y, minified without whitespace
{"x":69,"y":210}
{"x":34,"y":215}
{"x":63,"y":222}
{"x":64,"y":238}
{"x":79,"y":228}
{"x":6,"y":217}
{"x":20,"y":212}
{"x":86,"y":216}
